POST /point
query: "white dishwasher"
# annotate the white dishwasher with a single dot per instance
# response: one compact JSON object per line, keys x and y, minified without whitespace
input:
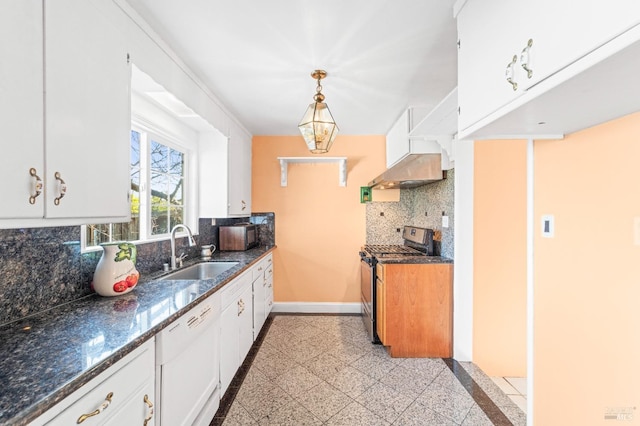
{"x":187,"y":367}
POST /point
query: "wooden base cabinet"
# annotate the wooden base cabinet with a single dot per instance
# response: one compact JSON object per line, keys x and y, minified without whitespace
{"x":414,"y":309}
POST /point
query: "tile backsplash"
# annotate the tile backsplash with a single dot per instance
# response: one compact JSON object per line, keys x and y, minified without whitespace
{"x":423,"y":206}
{"x":43,"y":267}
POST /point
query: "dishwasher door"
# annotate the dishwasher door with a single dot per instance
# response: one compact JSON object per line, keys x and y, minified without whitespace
{"x":187,"y":361}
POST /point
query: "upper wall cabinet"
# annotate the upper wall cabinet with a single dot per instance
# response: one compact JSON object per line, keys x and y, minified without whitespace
{"x":67,"y":143}
{"x":21,"y":108}
{"x":239,"y":172}
{"x":528,"y":68}
{"x":432,"y":134}
{"x":224,"y":166}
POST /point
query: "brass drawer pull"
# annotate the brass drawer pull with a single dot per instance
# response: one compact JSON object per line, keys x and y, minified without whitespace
{"x":38,"y":185}
{"x":62,"y":188}
{"x":525,"y":58}
{"x":150,"y":406}
{"x":99,"y":410}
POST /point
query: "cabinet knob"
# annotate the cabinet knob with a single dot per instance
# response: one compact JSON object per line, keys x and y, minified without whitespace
{"x":62,"y":188}
{"x":37,"y":185}
{"x":525,"y":58}
{"x":100,"y":409}
{"x":510,"y":72}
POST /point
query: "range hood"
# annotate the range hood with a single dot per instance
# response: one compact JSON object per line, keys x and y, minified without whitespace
{"x":412,"y":171}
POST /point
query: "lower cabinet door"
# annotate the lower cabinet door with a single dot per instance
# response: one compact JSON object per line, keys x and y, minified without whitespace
{"x":229,"y":346}
{"x":245,"y":323}
{"x":259,"y":315}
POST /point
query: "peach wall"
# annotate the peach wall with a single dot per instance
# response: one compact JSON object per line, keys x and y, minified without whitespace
{"x":500,"y":269}
{"x":320,"y":226}
{"x":587,"y":278}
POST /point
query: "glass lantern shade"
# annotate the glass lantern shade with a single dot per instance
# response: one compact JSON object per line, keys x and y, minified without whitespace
{"x":318,"y":128}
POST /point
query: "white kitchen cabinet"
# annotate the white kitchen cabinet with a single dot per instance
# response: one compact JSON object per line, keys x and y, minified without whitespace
{"x":121,"y":395}
{"x":236,"y":327}
{"x":566,"y":40}
{"x":225,"y":174}
{"x":262,"y":292}
{"x":491,"y":35}
{"x":21,"y":107}
{"x":398,"y":139}
{"x":268,"y":297}
{"x":259,"y":294}
{"x":82,"y":155}
{"x":564,"y":31}
{"x":245,"y":322}
{"x":239,"y":173}
{"x":399,"y":144}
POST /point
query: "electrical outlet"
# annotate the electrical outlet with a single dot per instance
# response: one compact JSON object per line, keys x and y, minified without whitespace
{"x":397,"y":229}
{"x":213,"y":222}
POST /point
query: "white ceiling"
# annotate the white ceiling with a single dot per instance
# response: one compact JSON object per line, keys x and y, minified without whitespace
{"x":381,"y":56}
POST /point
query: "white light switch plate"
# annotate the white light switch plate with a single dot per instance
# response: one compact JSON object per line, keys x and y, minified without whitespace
{"x":445,"y":221}
{"x":548,"y":226}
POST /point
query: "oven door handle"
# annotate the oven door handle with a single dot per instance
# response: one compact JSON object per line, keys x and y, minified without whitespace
{"x":365,"y":258}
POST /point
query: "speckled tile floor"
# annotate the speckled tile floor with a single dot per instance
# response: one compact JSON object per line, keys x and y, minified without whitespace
{"x":322,"y":370}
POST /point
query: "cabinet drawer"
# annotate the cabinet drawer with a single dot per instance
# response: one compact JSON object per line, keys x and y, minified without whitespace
{"x":231,"y":291}
{"x":259,"y":270}
{"x":126,"y":380}
{"x":263,"y":267}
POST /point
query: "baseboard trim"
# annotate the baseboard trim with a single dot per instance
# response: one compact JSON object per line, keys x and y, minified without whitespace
{"x":316,"y":307}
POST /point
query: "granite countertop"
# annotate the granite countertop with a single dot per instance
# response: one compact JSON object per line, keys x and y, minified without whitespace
{"x":414,"y":259}
{"x":47,"y":356}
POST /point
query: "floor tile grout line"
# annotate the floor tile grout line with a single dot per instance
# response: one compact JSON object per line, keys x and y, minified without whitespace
{"x":480,"y":397}
{"x":491,"y":410}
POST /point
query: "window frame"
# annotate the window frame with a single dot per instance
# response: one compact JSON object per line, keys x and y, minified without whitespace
{"x":152,"y":131}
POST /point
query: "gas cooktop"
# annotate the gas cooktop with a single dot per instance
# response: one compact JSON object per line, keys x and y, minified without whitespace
{"x":391,"y":250}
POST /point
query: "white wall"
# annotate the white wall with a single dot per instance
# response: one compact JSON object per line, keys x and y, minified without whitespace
{"x":154,"y":57}
{"x":463,"y":255}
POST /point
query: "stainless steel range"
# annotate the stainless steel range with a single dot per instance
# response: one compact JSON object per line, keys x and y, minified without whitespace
{"x":417,"y":242}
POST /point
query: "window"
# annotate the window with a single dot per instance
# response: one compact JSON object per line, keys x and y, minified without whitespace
{"x":158,"y":187}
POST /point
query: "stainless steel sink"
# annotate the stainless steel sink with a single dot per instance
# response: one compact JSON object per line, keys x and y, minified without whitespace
{"x":200,"y":271}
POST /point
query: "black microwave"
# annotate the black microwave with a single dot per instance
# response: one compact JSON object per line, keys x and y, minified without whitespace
{"x":238,"y":237}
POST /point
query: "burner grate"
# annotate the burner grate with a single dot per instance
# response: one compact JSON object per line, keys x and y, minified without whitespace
{"x":391,"y":250}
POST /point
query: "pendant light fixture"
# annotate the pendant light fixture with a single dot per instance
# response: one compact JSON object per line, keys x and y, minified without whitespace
{"x":317,"y":126}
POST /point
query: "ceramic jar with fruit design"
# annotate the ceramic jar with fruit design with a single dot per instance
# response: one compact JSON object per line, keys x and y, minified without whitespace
{"x":116,"y":272}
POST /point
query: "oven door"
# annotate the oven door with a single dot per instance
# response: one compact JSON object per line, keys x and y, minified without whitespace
{"x":367,"y":294}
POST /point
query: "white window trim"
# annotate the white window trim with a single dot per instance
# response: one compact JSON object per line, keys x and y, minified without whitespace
{"x":173,"y":141}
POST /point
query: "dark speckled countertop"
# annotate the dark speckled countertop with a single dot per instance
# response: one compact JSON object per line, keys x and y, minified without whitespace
{"x":46,"y":357}
{"x":414,"y":259}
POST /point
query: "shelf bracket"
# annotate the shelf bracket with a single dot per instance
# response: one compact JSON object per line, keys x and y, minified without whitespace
{"x":342,"y":166}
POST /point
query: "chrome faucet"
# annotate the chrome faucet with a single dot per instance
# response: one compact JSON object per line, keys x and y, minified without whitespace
{"x":173,"y":243}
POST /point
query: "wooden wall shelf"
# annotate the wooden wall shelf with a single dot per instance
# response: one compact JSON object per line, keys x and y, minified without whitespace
{"x":342,"y":163}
